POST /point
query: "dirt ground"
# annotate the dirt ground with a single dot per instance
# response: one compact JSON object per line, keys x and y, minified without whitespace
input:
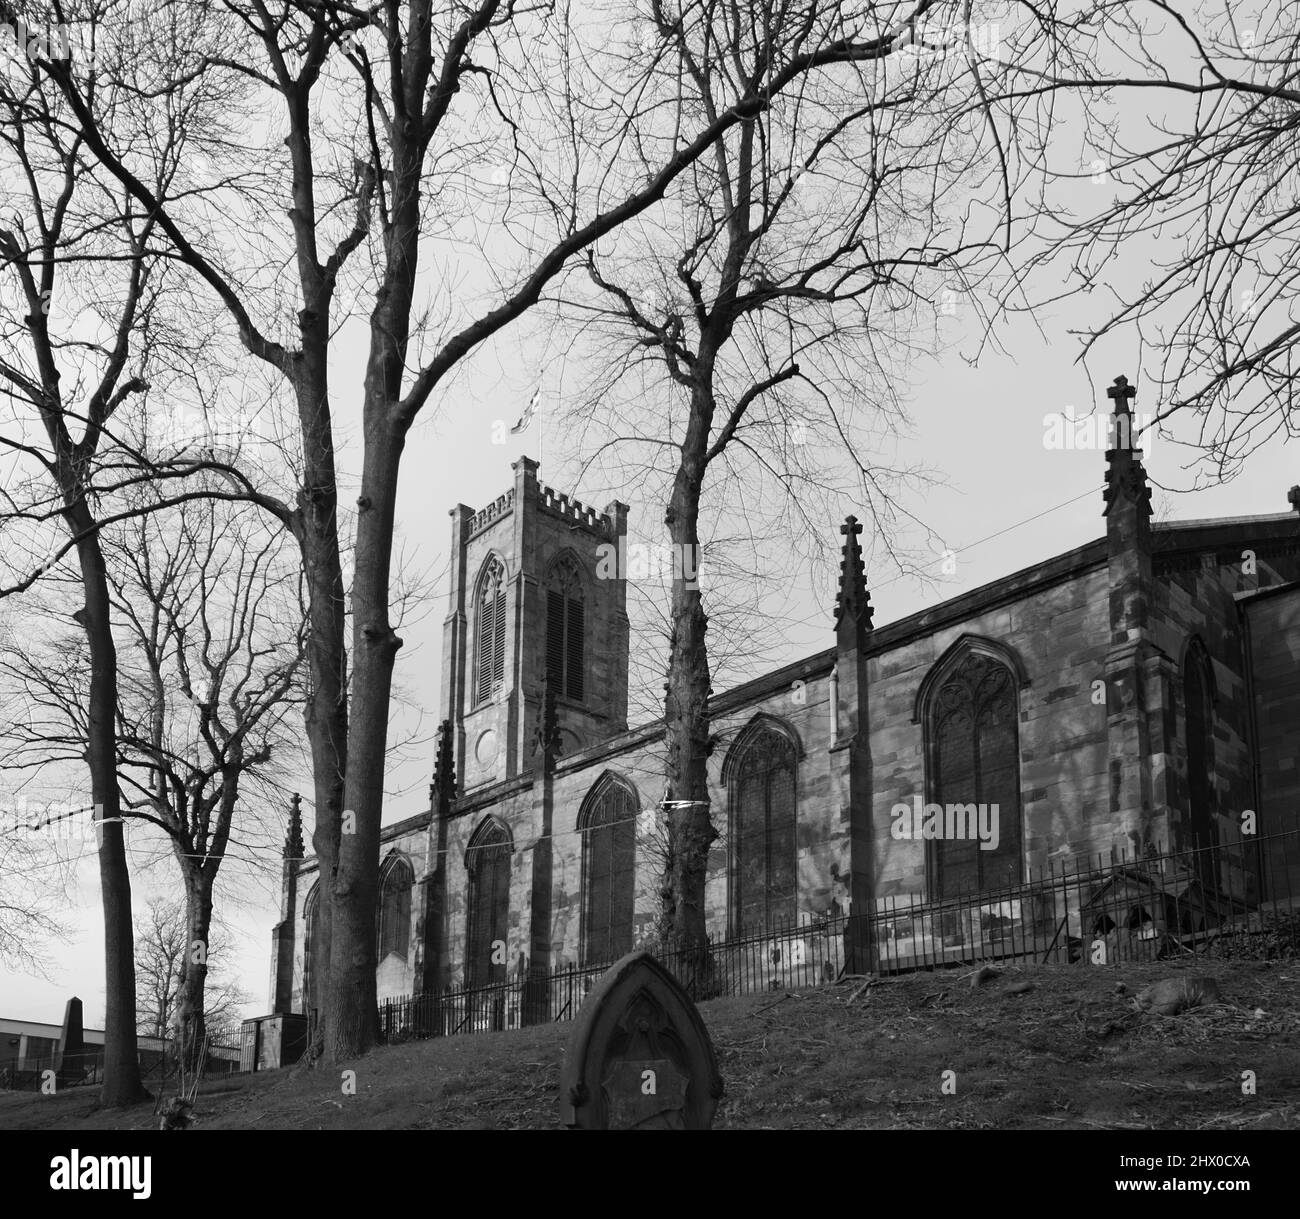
{"x":1070,"y":1053}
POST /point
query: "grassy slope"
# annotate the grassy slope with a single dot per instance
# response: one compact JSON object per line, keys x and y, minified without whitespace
{"x":1071,"y":1053}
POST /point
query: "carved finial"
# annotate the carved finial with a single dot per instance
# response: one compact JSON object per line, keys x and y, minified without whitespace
{"x":1126,"y":478}
{"x":546,"y":736}
{"x":1293,"y":498}
{"x":443,"y":786}
{"x":293,"y":844}
{"x":1121,"y":393}
{"x":853,"y":598}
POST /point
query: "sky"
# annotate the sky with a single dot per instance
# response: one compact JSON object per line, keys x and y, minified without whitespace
{"x":1008,"y":502}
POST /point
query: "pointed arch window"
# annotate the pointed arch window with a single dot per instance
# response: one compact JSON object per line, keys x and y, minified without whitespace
{"x":607,"y":824}
{"x":490,"y":631}
{"x":1198,"y":730}
{"x":394,"y":930}
{"x":311,"y":962}
{"x":975,"y":760}
{"x":565,"y":629}
{"x":762,"y":782}
{"x":487,"y":862}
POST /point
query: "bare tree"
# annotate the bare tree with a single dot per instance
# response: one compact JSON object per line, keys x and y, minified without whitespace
{"x":416,"y":93}
{"x":33,"y":894}
{"x":92,"y":320}
{"x":217,"y":640}
{"x":1190,"y":116}
{"x":73,"y":350}
{"x":162,"y":951}
{"x":211,"y":645}
{"x":780,"y":294}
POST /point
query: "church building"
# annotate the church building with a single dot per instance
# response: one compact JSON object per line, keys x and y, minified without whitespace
{"x":1139,"y":693}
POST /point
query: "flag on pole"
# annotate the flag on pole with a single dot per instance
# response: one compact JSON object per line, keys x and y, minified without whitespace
{"x":527,"y":417}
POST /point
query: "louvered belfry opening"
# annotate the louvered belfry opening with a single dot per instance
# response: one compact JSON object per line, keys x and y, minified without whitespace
{"x":565,"y":629}
{"x":608,"y":826}
{"x":764,"y":886}
{"x":976,"y":760}
{"x":488,"y":865}
{"x":490,"y":632}
{"x":394,"y":932}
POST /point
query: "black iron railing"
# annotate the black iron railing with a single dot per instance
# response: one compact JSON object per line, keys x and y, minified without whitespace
{"x":1234,"y":899}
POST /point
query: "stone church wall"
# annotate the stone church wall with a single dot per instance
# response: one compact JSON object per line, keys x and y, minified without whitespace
{"x":1274,"y":623}
{"x":1060,"y":636}
{"x":1056,"y":624}
{"x":1197,"y":600}
{"x":797,"y":697}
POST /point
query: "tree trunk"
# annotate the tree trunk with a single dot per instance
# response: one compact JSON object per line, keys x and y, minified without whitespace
{"x":122,"y":1083}
{"x":191,"y":1021}
{"x":686,"y":717}
{"x":326,"y":713}
{"x":352,"y":1014}
{"x":352,"y":1011}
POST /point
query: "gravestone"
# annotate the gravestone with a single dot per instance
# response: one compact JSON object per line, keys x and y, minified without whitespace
{"x":71,"y":1062}
{"x":640,"y":1057}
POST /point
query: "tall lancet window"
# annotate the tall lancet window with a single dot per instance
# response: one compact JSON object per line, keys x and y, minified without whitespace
{"x":490,"y":631}
{"x":761,"y":776}
{"x":1198,"y":726}
{"x":487,"y":861}
{"x":565,"y":628}
{"x":607,"y":824}
{"x":311,"y":962}
{"x":975,"y":761}
{"x":394,"y":931}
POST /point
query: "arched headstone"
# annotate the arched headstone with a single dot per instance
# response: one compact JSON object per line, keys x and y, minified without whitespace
{"x":640,"y":1057}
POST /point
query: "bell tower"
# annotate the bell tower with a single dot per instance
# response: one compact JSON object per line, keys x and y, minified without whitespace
{"x":532,"y":602}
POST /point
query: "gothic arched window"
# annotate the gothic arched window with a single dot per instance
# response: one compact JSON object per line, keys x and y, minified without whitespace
{"x":565,"y":628}
{"x":490,"y":631}
{"x":761,"y":775}
{"x":394,"y":934}
{"x":607,"y":823}
{"x":975,"y":760}
{"x":487,"y":861}
{"x":1198,"y":729}
{"x":311,"y":962}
